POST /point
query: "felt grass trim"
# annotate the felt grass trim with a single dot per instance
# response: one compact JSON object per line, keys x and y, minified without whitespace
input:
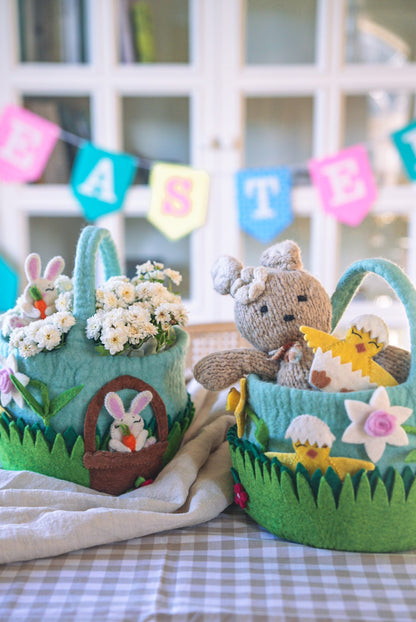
{"x":28,"y":447}
{"x":366,"y":512}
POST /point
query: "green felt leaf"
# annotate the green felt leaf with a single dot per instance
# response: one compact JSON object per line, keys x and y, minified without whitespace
{"x":411,"y":456}
{"x":262,"y":434}
{"x":27,"y":396}
{"x":63,"y":399}
{"x":43,"y":389}
{"x":409,"y":429}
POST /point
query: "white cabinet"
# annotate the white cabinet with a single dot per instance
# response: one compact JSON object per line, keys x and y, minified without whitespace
{"x":220,"y":85}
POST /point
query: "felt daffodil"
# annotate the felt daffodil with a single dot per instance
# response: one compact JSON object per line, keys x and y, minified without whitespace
{"x":376,"y":424}
{"x":236,"y":401}
{"x":7,"y":389}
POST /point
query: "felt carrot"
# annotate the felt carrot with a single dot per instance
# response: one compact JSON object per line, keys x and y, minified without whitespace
{"x":39,"y":303}
{"x":128,"y":438}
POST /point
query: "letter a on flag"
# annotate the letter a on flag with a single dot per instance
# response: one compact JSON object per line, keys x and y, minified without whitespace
{"x":345,"y":184}
{"x":179,"y":199}
{"x":26,"y":142}
{"x":264,"y":201}
{"x":100,"y":180}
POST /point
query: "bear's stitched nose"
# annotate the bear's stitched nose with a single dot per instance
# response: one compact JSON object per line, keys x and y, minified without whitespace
{"x":288,"y":318}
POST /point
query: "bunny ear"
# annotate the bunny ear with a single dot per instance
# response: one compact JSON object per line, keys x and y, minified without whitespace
{"x":54,"y":268}
{"x":32,"y":267}
{"x":140,"y":401}
{"x":114,"y":405}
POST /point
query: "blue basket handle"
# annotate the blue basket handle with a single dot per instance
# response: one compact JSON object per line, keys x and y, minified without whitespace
{"x":395,"y":277}
{"x":90,"y":241}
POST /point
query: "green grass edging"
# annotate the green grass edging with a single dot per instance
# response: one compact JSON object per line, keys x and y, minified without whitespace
{"x":366,"y":512}
{"x":30,"y":448}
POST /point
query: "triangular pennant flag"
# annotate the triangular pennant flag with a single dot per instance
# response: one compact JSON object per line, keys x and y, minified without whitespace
{"x":179,"y":199}
{"x":26,"y":142}
{"x":9,"y":286}
{"x":405,"y":141}
{"x":345,"y":184}
{"x":264,"y":201}
{"x":100,"y":180}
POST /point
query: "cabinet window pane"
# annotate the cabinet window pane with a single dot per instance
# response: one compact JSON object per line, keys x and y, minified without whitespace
{"x":371,"y":118}
{"x":71,"y":114}
{"x":52,"y":32}
{"x":156,"y":31}
{"x":50,"y":236}
{"x":382,"y":235}
{"x":280,"y":31}
{"x":279,"y":132}
{"x":299,"y":231}
{"x":381,"y":31}
{"x":156,"y":128}
{"x":144,"y":242}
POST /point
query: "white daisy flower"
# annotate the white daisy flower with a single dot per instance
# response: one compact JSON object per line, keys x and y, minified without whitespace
{"x":173,"y":275}
{"x":64,"y":302}
{"x":114,"y":340}
{"x":63,"y":321}
{"x":28,"y":348}
{"x":48,"y":336}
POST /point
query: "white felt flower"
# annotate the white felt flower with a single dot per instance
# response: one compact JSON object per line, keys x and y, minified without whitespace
{"x":376,"y":424}
{"x":7,"y":388}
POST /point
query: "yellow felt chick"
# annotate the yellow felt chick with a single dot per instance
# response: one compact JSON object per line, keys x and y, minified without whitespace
{"x":312,"y":440}
{"x":341,"y":365}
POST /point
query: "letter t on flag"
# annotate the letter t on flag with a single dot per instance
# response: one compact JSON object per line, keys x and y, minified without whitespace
{"x":345,"y":184}
{"x":264,"y":201}
{"x":100,"y":180}
{"x":26,"y":142}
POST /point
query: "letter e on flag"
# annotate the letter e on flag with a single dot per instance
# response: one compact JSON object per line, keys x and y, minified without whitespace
{"x":26,"y":142}
{"x":345,"y":184}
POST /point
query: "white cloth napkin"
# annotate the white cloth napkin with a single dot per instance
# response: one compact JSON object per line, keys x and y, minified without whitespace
{"x":42,"y":516}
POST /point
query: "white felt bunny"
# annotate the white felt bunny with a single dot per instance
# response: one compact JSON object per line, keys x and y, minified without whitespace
{"x":38,"y":298}
{"x":127,"y":432}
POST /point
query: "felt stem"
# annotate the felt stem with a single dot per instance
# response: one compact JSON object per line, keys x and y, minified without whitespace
{"x":28,"y":397}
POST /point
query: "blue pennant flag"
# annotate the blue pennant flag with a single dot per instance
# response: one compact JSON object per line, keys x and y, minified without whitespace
{"x":100,"y":180}
{"x":405,"y":142}
{"x":264,"y":201}
{"x":9,"y":286}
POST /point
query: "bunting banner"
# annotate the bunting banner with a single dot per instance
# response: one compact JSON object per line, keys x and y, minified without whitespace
{"x":26,"y":142}
{"x":9,"y":286}
{"x":179,"y":194}
{"x":405,"y":142}
{"x":345,"y":184}
{"x":264,"y":201}
{"x":179,"y":198}
{"x":100,"y":180}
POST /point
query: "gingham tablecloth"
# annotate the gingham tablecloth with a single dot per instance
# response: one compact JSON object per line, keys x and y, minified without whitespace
{"x":226,"y":569}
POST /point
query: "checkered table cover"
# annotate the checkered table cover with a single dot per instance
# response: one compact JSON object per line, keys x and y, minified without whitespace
{"x":226,"y":569}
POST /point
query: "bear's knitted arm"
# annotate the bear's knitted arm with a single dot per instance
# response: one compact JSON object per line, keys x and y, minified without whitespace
{"x":219,"y":370}
{"x":396,"y":361}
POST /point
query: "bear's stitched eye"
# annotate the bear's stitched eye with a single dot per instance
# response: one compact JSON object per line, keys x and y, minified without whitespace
{"x":264,"y":309}
{"x":302,"y":298}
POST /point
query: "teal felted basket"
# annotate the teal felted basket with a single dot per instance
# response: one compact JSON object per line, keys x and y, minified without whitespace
{"x":57,"y":449}
{"x":367,"y":510}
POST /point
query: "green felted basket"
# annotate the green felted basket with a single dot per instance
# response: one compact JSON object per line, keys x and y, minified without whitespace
{"x":371,"y":511}
{"x":68,"y":378}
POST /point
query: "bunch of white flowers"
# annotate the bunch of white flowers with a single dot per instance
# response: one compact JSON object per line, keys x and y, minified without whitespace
{"x":136,"y":316}
{"x":40,"y":335}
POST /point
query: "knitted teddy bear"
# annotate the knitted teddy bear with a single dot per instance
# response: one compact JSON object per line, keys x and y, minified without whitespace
{"x":272,"y":302}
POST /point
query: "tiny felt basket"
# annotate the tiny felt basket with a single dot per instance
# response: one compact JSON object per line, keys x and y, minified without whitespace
{"x":57,"y":448}
{"x":373,"y":511}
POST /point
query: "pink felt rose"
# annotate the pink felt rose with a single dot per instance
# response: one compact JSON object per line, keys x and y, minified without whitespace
{"x":380,"y":423}
{"x":6,"y":385}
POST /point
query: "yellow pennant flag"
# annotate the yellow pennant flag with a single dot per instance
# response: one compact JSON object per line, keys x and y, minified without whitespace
{"x":179,"y":197}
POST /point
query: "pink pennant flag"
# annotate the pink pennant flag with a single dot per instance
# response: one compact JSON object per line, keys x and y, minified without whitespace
{"x":26,"y":142}
{"x":345,"y":184}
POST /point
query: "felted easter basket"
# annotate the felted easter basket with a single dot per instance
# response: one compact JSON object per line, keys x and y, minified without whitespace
{"x":367,"y":510}
{"x":69,"y":384}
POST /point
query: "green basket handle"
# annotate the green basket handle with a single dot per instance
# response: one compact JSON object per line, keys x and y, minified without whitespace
{"x":90,"y":241}
{"x":395,"y":277}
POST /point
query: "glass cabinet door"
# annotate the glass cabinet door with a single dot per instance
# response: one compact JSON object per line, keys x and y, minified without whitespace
{"x":155,"y":31}
{"x":52,"y":31}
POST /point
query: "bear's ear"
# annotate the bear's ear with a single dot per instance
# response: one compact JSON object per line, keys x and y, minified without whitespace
{"x":283,"y":256}
{"x":224,"y":272}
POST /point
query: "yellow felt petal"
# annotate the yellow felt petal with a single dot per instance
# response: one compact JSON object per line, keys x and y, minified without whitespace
{"x":317,"y":338}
